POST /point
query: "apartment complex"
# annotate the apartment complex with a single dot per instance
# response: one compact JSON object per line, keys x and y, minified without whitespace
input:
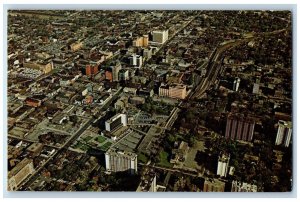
{"x":141,"y":41}
{"x":91,"y":70}
{"x":118,"y":161}
{"x":239,"y":127}
{"x":177,"y":91}
{"x":284,"y":133}
{"x":112,"y":73}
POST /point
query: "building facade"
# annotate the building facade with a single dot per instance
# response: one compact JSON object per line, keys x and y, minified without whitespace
{"x":141,"y":41}
{"x":284,"y":133}
{"x":160,"y":36}
{"x":239,"y":127}
{"x":124,"y":75}
{"x":255,"y":89}
{"x":177,"y":91}
{"x":148,"y":182}
{"x":213,"y":185}
{"x":236,"y":84}
{"x":242,"y":187}
{"x":19,"y":173}
{"x":115,"y":72}
{"x":136,"y":60}
{"x":119,"y":161}
{"x":115,"y":122}
{"x":91,"y":70}
{"x":223,"y":163}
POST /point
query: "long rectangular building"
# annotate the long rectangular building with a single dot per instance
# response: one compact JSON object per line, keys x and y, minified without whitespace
{"x":239,"y":127}
{"x":119,"y":161}
{"x":177,"y":91}
{"x":19,"y":173}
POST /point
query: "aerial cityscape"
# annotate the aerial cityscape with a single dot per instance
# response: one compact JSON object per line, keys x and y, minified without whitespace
{"x":149,"y":100}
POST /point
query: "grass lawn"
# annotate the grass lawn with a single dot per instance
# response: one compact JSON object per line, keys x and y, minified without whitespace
{"x":163,"y":160}
{"x":105,"y":146}
{"x":100,"y":139}
{"x":142,"y":158}
{"x":88,"y":138}
{"x":81,"y":146}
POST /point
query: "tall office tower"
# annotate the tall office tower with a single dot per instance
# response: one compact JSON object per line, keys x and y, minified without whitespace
{"x":109,"y":74}
{"x":136,"y":60}
{"x":133,"y":60}
{"x":141,"y":41}
{"x":91,"y":70}
{"x":242,"y":187}
{"x":115,"y":72}
{"x":145,"y":40}
{"x":213,"y":185}
{"x":284,"y":133}
{"x":223,"y":164}
{"x":239,"y":127}
{"x":124,"y":75}
{"x":255,"y":89}
{"x":88,"y":70}
{"x":160,"y":36}
{"x":236,"y":84}
{"x":118,"y":161}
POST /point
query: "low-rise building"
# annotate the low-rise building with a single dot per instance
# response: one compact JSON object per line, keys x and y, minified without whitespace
{"x":40,"y":66}
{"x":177,"y":91}
{"x":213,"y":185}
{"x":115,"y":122}
{"x":19,"y":173}
{"x":242,"y":187}
{"x":148,"y":182}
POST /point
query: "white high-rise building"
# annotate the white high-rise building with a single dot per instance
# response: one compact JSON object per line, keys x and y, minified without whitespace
{"x":236,"y":84}
{"x":115,"y":122}
{"x":119,"y":161}
{"x":255,"y":88}
{"x":136,"y":60}
{"x":223,"y":164}
{"x":284,"y":133}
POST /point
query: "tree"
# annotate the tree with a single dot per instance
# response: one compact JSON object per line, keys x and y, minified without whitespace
{"x":191,"y":141}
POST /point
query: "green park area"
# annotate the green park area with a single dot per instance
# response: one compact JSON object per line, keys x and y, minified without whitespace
{"x":87,"y":138}
{"x":163,"y":160}
{"x":142,"y":158}
{"x":105,"y":146}
{"x":82,"y":146}
{"x":100,"y":139}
